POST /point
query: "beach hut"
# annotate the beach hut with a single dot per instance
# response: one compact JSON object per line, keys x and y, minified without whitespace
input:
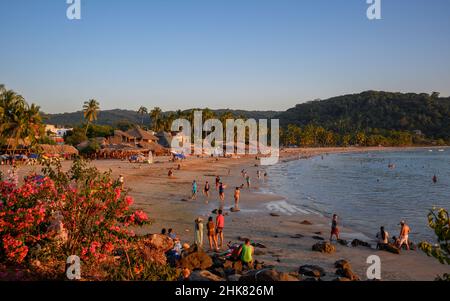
{"x":66,"y":151}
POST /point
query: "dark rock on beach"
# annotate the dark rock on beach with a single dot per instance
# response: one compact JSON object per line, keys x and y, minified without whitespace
{"x":274,"y":214}
{"x":297,"y":236}
{"x":389,"y":248}
{"x":324,"y":247}
{"x":204,"y":276}
{"x":261,"y":275}
{"x":357,"y":242}
{"x":306,"y":222}
{"x":197,"y":260}
{"x":318,"y":237}
{"x":342,"y":242}
{"x":344,"y":269}
{"x":311,"y":270}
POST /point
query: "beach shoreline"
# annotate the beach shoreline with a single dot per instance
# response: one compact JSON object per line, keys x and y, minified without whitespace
{"x":167,"y":203}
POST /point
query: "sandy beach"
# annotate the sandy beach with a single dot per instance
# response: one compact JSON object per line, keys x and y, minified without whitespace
{"x":167,"y":202}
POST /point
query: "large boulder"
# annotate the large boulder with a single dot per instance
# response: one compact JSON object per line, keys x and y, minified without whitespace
{"x":344,"y":269}
{"x":342,"y":264}
{"x":204,"y":276}
{"x":261,"y":275}
{"x":154,"y":246}
{"x":287,"y":277}
{"x":389,"y":248}
{"x":158,"y":241}
{"x":311,"y":271}
{"x":198,"y":260}
{"x":347,"y":273}
{"x":324,"y":247}
{"x":357,"y":242}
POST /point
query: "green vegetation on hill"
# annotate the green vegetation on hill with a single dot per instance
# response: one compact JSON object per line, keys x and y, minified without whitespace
{"x":373,"y":111}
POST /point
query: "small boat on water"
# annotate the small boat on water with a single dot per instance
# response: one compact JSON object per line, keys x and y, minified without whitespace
{"x":430,"y":150}
{"x":441,"y":150}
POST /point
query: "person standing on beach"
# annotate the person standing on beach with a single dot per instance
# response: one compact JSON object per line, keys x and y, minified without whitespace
{"x":237,"y":196}
{"x":247,"y":180}
{"x":212,"y":238}
{"x":198,"y":238}
{"x":334,"y":228}
{"x":220,"y":224}
{"x":206,"y":189}
{"x":194,"y":190}
{"x":258,"y":174}
{"x":404,"y":234}
{"x":222,"y":191}
{"x":121,"y":181}
{"x":217,"y":182}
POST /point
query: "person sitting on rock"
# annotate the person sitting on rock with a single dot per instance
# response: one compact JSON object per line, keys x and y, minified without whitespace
{"x":245,"y":253}
{"x":383,"y":237}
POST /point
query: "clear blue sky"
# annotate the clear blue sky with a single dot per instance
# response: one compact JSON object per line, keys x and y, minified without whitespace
{"x":249,"y":54}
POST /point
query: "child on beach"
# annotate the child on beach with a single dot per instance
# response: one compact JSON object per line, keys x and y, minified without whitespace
{"x":220,"y":223}
{"x":237,"y":196}
{"x":334,"y":228}
{"x":170,"y":173}
{"x":194,"y":190}
{"x":212,"y":238}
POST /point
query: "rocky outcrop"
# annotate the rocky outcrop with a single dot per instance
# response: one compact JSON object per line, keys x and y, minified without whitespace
{"x":344,"y":270}
{"x":324,"y":247}
{"x":197,"y":260}
{"x":357,"y":242}
{"x":261,"y":275}
{"x":389,"y":248}
{"x":204,"y":276}
{"x":311,"y":271}
{"x":154,"y":246}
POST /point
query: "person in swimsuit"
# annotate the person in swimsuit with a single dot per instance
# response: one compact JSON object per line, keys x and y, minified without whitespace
{"x":217,"y":182}
{"x":206,"y":189}
{"x":334,"y":228}
{"x":194,"y":190}
{"x":404,"y":235}
{"x":221,"y":191}
{"x":220,"y":223}
{"x":212,"y":238}
{"x":383,"y":237}
{"x":237,"y":196}
{"x":247,"y":180}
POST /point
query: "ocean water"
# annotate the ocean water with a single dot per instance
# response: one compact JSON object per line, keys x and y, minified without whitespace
{"x":365,"y":192}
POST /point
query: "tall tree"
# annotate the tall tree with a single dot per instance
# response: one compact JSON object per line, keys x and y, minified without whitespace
{"x":142,"y":111}
{"x":90,"y":111}
{"x":155,"y":115}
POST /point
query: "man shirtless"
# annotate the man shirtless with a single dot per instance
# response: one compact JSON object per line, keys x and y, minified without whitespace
{"x":403,"y":238}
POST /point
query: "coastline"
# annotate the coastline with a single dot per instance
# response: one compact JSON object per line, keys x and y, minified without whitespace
{"x":167,"y":203}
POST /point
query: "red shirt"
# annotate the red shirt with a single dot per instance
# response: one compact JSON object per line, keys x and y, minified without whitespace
{"x":220,"y":221}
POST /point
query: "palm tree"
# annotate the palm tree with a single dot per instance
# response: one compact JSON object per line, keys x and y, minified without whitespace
{"x":142,"y":110}
{"x":155,"y":115}
{"x":90,"y":111}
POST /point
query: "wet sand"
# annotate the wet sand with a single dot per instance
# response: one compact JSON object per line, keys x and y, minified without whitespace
{"x":167,"y":202}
